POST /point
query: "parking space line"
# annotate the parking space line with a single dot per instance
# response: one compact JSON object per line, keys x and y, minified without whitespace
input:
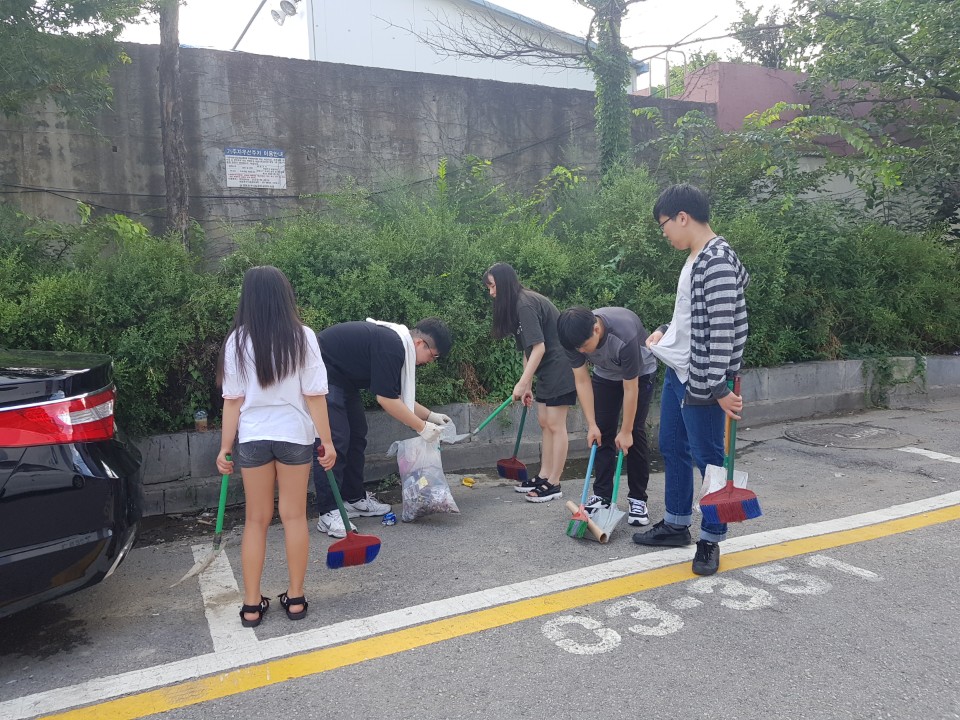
{"x":930,"y":454}
{"x":221,"y":596}
{"x":359,"y":640}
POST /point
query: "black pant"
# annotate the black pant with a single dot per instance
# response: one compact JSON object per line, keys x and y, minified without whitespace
{"x":348,"y":426}
{"x":607,"y":404}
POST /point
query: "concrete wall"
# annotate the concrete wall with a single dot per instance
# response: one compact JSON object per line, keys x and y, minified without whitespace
{"x":334,"y":122}
{"x":177,"y":467}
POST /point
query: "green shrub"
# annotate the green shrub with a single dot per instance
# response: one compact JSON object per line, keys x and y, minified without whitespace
{"x":825,"y":282}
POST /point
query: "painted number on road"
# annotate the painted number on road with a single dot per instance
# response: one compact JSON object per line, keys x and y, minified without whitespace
{"x":583,"y":635}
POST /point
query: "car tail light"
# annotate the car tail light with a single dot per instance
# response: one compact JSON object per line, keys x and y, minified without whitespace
{"x":79,"y":419}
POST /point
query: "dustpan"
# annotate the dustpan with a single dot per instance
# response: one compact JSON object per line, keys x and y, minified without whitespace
{"x":607,"y":518}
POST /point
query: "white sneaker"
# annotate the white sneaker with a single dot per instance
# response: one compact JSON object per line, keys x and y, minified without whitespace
{"x":638,"y":513}
{"x":332,"y":524}
{"x":368,"y":506}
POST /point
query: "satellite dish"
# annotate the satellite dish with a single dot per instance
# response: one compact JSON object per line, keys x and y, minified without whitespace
{"x":277,"y":17}
{"x":288,"y":7}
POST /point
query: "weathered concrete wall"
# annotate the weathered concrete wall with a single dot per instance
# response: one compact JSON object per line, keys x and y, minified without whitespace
{"x":334,"y":122}
{"x":177,"y":467}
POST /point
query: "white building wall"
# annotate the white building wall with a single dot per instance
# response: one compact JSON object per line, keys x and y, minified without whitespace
{"x":376,"y":33}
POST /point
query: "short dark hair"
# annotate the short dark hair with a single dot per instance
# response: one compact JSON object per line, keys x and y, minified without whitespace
{"x":575,"y":326}
{"x":438,"y":331}
{"x":682,"y":198}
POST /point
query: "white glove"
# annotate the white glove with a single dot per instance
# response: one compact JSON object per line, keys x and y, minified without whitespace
{"x":438,"y":418}
{"x":431,"y":433}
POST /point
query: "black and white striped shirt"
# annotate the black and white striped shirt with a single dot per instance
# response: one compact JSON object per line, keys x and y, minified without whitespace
{"x":718,"y":321}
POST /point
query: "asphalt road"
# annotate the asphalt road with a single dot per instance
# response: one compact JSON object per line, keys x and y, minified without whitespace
{"x":840,"y":602}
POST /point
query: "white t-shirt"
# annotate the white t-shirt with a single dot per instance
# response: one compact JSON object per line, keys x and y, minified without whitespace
{"x":674,"y":347}
{"x":278,"y":412}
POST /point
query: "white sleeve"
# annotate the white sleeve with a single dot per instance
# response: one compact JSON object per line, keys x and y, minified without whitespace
{"x":233,"y":385}
{"x":313,"y":375}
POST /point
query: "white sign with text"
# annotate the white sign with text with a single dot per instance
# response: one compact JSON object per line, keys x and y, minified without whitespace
{"x":256,"y":168}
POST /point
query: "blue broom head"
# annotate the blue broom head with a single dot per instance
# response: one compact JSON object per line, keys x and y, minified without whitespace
{"x":731,"y":511}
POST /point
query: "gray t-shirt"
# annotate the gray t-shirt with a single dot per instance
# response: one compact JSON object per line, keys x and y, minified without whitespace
{"x":538,"y":324}
{"x":621,"y":355}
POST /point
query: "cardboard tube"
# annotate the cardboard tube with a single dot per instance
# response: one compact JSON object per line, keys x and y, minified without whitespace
{"x":594,"y":529}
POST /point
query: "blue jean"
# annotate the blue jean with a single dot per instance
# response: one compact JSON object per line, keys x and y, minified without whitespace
{"x":688,"y":434}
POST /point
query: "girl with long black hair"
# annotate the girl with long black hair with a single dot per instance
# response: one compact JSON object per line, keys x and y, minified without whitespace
{"x":531,"y":319}
{"x":274,"y":386}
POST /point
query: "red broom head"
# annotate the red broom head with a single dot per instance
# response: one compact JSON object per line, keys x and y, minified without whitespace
{"x":512,"y":469}
{"x":355,"y":549}
{"x":730,"y":504}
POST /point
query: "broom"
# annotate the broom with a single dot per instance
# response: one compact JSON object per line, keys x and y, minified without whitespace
{"x":203,"y":563}
{"x":730,"y":503}
{"x":581,"y":522}
{"x":354,"y":549}
{"x":510,"y":468}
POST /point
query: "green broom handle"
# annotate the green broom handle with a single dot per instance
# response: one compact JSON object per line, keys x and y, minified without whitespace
{"x":496,"y":412}
{"x":523,"y":419}
{"x":336,"y":494}
{"x":734,"y":385}
{"x":222,"y":507}
{"x":616,"y":478}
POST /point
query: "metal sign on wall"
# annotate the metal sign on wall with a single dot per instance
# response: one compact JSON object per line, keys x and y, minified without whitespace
{"x":256,"y":168}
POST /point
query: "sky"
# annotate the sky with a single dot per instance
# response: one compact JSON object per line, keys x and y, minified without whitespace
{"x":219,"y":24}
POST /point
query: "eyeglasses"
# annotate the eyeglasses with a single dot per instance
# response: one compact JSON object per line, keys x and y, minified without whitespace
{"x":673,"y":217}
{"x":433,"y":351}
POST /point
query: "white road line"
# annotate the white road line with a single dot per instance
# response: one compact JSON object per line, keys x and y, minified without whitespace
{"x":134,"y":681}
{"x":221,"y":596}
{"x":930,"y":454}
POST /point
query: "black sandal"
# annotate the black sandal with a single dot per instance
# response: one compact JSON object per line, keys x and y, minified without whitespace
{"x":259,"y":609}
{"x":544,"y":492}
{"x":286,"y":602}
{"x":529,"y":484}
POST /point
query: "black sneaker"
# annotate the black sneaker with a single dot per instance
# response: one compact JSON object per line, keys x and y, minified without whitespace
{"x":594,"y":503}
{"x":707,"y":559}
{"x":663,"y":535}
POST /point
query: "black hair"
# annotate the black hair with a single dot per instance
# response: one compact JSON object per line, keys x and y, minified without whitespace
{"x":575,"y":326}
{"x":505,"y":317}
{"x":267,"y":314}
{"x":682,"y":198}
{"x":438,"y":331}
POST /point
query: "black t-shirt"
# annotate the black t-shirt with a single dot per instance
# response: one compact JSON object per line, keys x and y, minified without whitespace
{"x":363,"y":356}
{"x":538,"y":324}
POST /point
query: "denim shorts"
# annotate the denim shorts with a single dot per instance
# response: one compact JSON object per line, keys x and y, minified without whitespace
{"x":260,"y":452}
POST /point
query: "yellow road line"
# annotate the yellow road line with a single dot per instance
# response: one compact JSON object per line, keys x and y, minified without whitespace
{"x":319,"y":661}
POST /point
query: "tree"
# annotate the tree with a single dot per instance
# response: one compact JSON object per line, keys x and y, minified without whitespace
{"x":171,"y":122}
{"x":768,"y":43}
{"x":893,"y":66}
{"x":61,"y":50}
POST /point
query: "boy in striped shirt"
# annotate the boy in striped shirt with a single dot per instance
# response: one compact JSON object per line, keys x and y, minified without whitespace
{"x":702,"y":347}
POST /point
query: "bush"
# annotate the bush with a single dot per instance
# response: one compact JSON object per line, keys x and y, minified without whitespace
{"x":825,"y":284}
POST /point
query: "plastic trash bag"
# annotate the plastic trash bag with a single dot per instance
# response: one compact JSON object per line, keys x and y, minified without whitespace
{"x":425,"y":489}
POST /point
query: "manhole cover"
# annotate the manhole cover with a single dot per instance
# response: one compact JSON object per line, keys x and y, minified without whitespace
{"x":865,"y":437}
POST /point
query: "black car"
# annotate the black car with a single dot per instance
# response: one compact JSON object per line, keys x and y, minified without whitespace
{"x":70,"y":485}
